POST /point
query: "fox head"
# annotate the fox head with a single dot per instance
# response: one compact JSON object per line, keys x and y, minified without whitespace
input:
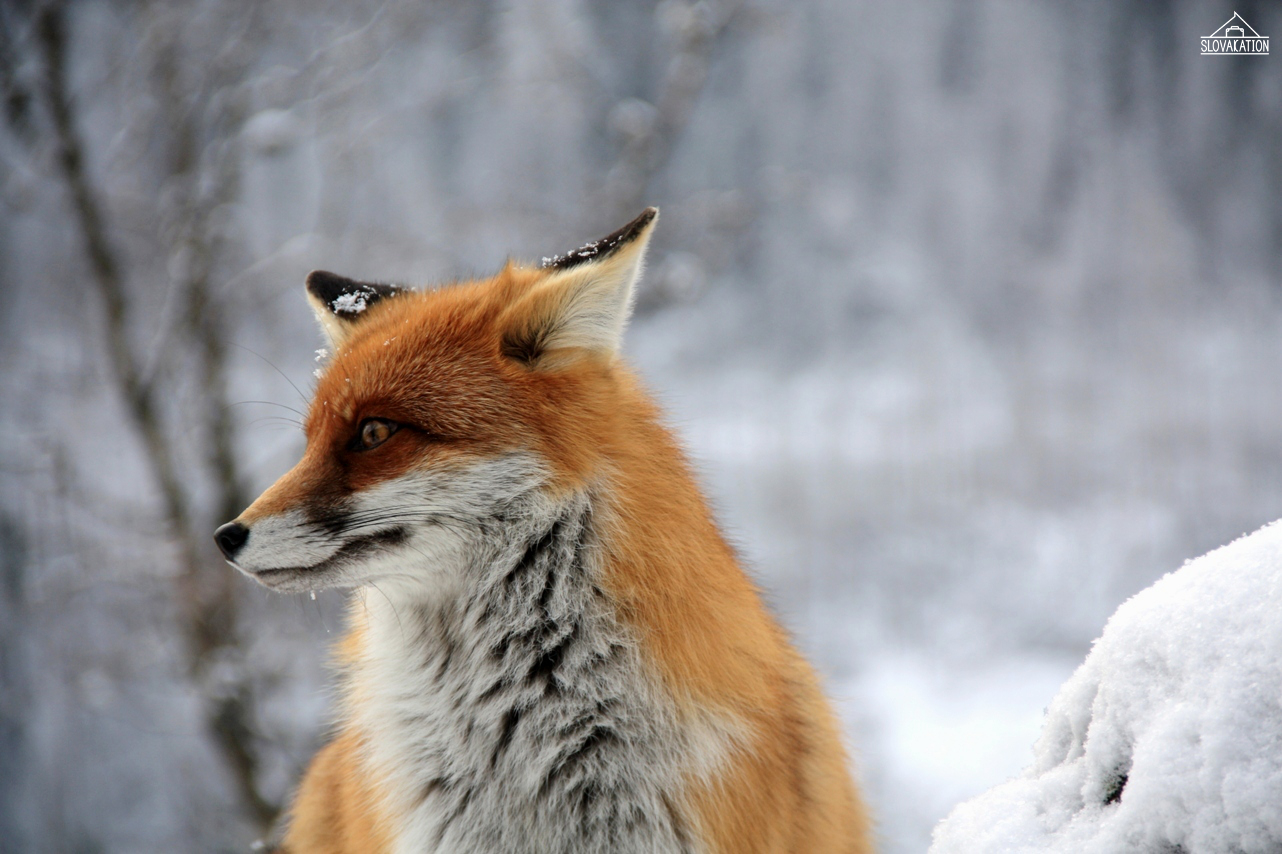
{"x":441,"y":413}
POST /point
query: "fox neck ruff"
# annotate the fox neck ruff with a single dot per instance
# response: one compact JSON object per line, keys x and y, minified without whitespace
{"x":516,"y":713}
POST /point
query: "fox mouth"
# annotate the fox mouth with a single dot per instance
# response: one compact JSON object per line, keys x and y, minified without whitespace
{"x":296,"y":578}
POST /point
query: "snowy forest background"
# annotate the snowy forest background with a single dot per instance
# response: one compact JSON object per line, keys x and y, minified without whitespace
{"x":970,"y":312}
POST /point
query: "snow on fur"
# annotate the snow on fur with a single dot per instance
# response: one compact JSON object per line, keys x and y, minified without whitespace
{"x":353,"y":302}
{"x":1169,"y":735}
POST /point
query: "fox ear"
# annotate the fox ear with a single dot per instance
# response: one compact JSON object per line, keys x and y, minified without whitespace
{"x":339,"y":302}
{"x":586,"y":299}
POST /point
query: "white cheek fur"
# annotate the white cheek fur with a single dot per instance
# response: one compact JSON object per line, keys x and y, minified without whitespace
{"x":415,"y":530}
{"x":285,"y":540}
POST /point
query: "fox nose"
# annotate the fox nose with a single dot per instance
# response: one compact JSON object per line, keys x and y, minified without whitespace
{"x":230,"y":538}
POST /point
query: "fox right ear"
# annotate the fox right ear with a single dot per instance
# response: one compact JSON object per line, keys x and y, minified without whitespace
{"x":584,"y":300}
{"x":340,"y":302}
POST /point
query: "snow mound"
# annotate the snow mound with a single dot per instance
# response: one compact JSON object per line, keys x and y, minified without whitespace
{"x":1169,"y":736}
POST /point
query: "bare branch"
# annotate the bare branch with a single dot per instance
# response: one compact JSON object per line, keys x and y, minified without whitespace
{"x":650,"y":131}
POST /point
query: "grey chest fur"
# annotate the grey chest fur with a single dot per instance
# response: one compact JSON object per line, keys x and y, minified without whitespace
{"x":518,"y":717}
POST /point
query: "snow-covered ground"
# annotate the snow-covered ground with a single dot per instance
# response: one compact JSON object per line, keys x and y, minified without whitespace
{"x":1169,"y":736}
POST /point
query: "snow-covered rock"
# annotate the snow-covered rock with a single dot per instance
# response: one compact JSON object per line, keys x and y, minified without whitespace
{"x":1169,"y":736}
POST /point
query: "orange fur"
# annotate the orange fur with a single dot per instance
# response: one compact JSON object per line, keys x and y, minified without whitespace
{"x":435,"y":360}
{"x":338,"y":809}
{"x":678,"y":582}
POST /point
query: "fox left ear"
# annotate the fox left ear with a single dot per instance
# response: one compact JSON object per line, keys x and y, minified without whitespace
{"x":586,"y":299}
{"x":340,"y":302}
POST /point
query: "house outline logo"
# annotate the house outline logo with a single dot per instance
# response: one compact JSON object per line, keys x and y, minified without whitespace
{"x":1235,"y":36}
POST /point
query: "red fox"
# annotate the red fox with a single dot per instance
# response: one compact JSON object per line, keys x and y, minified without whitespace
{"x":551,"y":646}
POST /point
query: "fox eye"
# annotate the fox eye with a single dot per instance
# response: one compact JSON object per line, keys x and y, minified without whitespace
{"x":372,"y":433}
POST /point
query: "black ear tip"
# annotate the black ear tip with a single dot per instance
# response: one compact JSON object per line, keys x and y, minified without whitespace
{"x":346,"y":297}
{"x":626,"y":234}
{"x":327,"y":286}
{"x":606,"y":246}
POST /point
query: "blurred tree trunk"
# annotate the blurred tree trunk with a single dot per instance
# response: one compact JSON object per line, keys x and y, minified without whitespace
{"x":206,"y":591}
